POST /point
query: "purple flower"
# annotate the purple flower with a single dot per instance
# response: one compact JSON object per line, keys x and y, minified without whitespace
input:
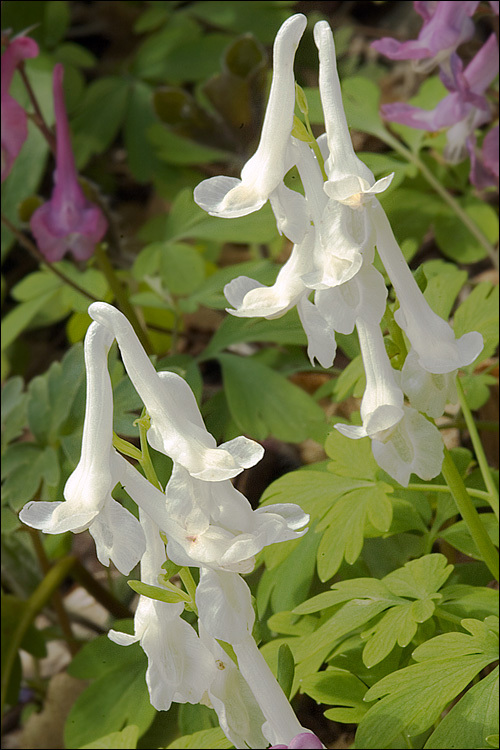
{"x":68,"y":221}
{"x":484,"y":167}
{"x":14,"y":121}
{"x":463,"y":110}
{"x":447,"y":24}
{"x":301,"y":741}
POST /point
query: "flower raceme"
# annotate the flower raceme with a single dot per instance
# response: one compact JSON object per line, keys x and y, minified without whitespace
{"x":13,"y":118}
{"x":68,"y":221}
{"x":332,"y":259}
{"x":207,"y":524}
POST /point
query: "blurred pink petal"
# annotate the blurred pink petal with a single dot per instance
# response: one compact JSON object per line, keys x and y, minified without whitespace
{"x":14,"y":122}
{"x":68,"y":221}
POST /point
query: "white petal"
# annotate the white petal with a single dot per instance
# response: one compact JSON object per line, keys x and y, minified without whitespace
{"x":363,"y":296}
{"x":224,"y":605}
{"x":276,"y":300}
{"x":354,"y":432}
{"x":177,"y":428}
{"x":427,"y":392}
{"x":238,"y":288}
{"x":342,"y":160}
{"x":118,"y":537}
{"x":239,"y":714}
{"x":321,"y":344}
{"x":415,"y":445}
{"x":57,"y":517}
{"x":266,"y":168}
{"x":290,"y":210}
{"x":431,"y":337}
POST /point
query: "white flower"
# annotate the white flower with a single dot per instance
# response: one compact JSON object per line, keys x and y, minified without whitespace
{"x":211,"y":523}
{"x":225,"y":611}
{"x":177,"y":428}
{"x":88,"y":502}
{"x":414,"y":445}
{"x":431,"y":337}
{"x":264,"y":171}
{"x":403,"y":441}
{"x":382,"y":403}
{"x":427,"y":391}
{"x":180,"y":667}
{"x":240,"y":716}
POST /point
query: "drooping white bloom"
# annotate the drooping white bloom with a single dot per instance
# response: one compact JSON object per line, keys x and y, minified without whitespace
{"x":88,"y":502}
{"x":226,"y":613}
{"x":180,"y":667}
{"x":177,"y":428}
{"x":431,"y":337}
{"x":264,"y":171}
{"x":211,"y":523}
{"x":403,"y":441}
{"x":240,"y":716}
{"x":426,"y":391}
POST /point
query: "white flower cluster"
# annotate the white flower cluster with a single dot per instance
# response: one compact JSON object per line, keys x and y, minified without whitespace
{"x":208,"y":524}
{"x":335,"y":227}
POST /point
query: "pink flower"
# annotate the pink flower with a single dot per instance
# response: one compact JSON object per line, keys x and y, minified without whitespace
{"x":14,"y":121}
{"x":68,"y":221}
{"x":300,"y":742}
{"x":463,"y":110}
{"x":484,"y":166}
{"x":446,"y":26}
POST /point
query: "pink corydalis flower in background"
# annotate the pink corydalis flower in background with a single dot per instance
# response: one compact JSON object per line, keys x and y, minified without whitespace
{"x":446,"y":26}
{"x":484,"y":165}
{"x":300,"y":742}
{"x":68,"y":221}
{"x":14,"y":119}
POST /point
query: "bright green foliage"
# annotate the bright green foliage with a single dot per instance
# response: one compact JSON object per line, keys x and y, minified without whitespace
{"x":413,"y":698}
{"x":117,"y":695}
{"x":208,"y":738}
{"x":127,"y":738}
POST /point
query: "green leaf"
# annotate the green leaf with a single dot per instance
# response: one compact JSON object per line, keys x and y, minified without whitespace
{"x":18,"y":319}
{"x":51,"y":395}
{"x":100,"y":117}
{"x":458,"y":535}
{"x":286,"y":668}
{"x":25,"y":466}
{"x":420,"y":578}
{"x":204,"y":740}
{"x":351,"y":381}
{"x":159,"y":594}
{"x":472,"y":719}
{"x":340,"y":688}
{"x":479,"y":312}
{"x":259,"y":17}
{"x":345,"y":523}
{"x":263,"y":402}
{"x":119,"y":696}
{"x":127,"y":738}
{"x":361,"y":99}
{"x":13,"y":410}
{"x":444,"y":281}
{"x":174,"y":149}
{"x":351,"y":459}
{"x":413,"y":698}
{"x":182,"y":268}
{"x":211,"y":294}
{"x":285,"y":330}
{"x":453,"y":237}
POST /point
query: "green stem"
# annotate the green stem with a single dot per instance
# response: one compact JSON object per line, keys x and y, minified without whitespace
{"x":35,"y":252}
{"x":36,"y":602}
{"x":478,"y":449}
{"x":121,"y":296}
{"x":188,"y":581}
{"x":445,"y":195}
{"x":144,"y":424}
{"x":481,"y":494}
{"x":469,"y":514}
